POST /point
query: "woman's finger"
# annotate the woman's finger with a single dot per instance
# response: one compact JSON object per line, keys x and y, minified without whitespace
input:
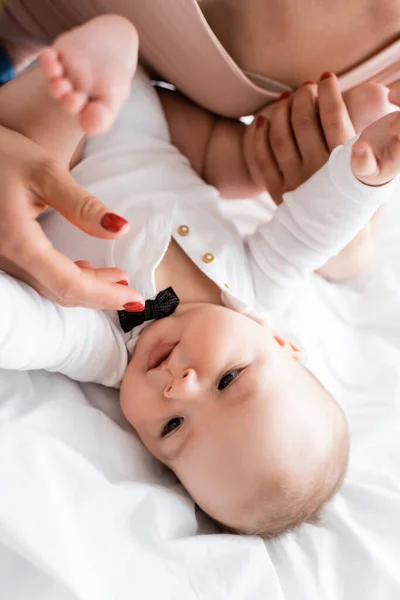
{"x":394,"y":93}
{"x":336,"y":123}
{"x":56,"y":186}
{"x":58,"y":278}
{"x":307,"y":128}
{"x":113,"y":275}
{"x":283,"y":144}
{"x":254,"y":134}
{"x":266,"y":163}
{"x":84,"y":264}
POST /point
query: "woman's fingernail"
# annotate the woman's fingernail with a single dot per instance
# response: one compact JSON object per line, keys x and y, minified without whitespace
{"x":113,"y":223}
{"x":284,"y":96}
{"x":134,"y":307}
{"x":123,"y":282}
{"x":260,"y":121}
{"x":326,"y":75}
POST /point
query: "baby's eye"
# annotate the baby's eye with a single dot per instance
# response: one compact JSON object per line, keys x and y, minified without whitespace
{"x":172,"y":424}
{"x":227,"y":379}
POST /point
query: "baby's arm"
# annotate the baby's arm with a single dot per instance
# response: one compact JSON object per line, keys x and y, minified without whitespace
{"x":285,"y":144}
{"x":320,"y":217}
{"x":36,"y":333}
{"x":213,"y":145}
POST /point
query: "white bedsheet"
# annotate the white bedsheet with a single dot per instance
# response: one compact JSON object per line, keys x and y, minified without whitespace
{"x":87,"y":514}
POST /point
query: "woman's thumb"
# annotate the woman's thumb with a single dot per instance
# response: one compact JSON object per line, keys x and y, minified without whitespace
{"x":57,"y":188}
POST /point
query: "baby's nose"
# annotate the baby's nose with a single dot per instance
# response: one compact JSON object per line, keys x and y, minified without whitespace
{"x":184,"y":386}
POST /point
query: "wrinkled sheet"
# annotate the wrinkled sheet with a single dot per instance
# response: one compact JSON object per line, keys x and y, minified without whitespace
{"x":87,"y":514}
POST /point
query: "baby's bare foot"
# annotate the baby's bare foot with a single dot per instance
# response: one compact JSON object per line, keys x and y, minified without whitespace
{"x":355,"y":259}
{"x":90,"y":69}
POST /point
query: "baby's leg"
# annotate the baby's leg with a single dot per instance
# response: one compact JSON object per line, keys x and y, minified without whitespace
{"x":356,"y":258}
{"x":90,"y":69}
{"x":24,"y":22}
{"x":26,"y":107}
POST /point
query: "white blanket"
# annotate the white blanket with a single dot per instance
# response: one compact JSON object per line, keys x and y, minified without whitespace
{"x":87,"y":514}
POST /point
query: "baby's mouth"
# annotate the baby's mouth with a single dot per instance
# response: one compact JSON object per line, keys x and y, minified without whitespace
{"x":159,"y":355}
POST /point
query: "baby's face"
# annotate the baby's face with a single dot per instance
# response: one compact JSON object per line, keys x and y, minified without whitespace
{"x":223,"y":403}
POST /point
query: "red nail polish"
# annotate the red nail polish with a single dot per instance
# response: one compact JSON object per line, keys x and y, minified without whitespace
{"x":134,"y":307}
{"x":326,"y":75}
{"x":284,"y":96}
{"x":113,"y":223}
{"x":260,"y":121}
{"x":123,"y":282}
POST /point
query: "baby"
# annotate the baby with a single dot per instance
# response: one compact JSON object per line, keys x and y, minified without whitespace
{"x":211,"y":389}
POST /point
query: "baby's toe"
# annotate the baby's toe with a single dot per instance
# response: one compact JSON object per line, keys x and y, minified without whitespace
{"x":51,"y":64}
{"x":74,"y":102}
{"x":59,"y":88}
{"x":96,"y":117}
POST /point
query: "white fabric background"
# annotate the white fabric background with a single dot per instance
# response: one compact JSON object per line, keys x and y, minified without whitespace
{"x":87,"y":514}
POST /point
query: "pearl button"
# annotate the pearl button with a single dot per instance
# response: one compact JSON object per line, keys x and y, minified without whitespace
{"x":208,"y":257}
{"x":183,"y":230}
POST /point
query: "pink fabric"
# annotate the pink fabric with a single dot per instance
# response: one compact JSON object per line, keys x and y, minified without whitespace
{"x":178,"y":44}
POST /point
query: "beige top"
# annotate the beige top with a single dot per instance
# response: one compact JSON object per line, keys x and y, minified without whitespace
{"x":178,"y":43}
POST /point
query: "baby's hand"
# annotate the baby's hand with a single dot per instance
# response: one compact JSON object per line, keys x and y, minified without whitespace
{"x":290,"y":141}
{"x":375,"y":157}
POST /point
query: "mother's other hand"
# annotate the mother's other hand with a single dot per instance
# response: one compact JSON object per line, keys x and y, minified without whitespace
{"x":30,"y":181}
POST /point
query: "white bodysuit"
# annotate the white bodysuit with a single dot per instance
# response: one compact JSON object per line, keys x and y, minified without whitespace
{"x":139,"y":175}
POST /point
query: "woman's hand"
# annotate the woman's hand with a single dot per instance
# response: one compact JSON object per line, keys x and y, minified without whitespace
{"x":30,"y":182}
{"x":290,"y":141}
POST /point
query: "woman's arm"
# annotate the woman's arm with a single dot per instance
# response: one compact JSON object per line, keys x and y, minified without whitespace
{"x":36,"y":333}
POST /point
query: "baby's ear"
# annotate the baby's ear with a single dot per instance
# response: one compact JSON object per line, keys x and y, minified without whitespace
{"x":293,"y":350}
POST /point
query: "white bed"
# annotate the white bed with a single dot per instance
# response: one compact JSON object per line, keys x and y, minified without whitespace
{"x":87,"y":514}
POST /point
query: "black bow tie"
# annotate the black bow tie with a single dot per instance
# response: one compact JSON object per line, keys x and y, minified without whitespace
{"x":163,"y":305}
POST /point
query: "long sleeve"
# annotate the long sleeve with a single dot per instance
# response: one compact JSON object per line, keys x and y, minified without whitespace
{"x":36,"y":333}
{"x":314,"y":222}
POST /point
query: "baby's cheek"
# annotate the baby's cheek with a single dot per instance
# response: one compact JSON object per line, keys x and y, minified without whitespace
{"x":367,"y":103}
{"x":139,"y":407}
{"x":124,"y":401}
{"x":128,"y":398}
